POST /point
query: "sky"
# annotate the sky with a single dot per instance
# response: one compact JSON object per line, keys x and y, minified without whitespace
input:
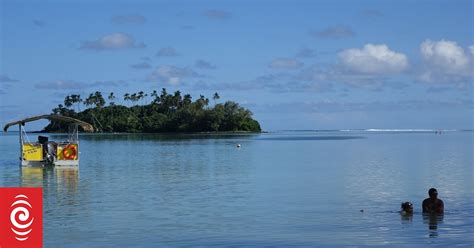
{"x":297,"y":65}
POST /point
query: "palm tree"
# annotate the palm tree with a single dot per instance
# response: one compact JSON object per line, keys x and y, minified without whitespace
{"x":126,"y":97}
{"x":99,"y":101}
{"x":134,"y":97}
{"x":77,"y":99}
{"x":111,"y":97}
{"x":154,"y":94}
{"x":89,"y":100}
{"x":68,"y":101}
{"x":187,"y":99}
{"x":141,"y":95}
{"x":176,"y":99}
{"x":215,"y":98}
{"x":201,"y":101}
{"x":164,"y":99}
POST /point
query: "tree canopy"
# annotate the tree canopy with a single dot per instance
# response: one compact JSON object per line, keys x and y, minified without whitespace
{"x":164,"y":113}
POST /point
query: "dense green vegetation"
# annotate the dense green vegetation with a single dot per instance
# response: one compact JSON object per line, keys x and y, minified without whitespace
{"x":165,"y":113}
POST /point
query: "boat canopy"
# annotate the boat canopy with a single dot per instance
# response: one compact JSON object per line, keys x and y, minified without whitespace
{"x":86,"y":126}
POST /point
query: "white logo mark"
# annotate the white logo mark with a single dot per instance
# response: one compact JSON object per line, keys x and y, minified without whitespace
{"x":20,"y":217}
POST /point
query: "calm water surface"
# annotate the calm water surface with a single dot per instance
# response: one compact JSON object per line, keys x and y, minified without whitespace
{"x":279,"y":189}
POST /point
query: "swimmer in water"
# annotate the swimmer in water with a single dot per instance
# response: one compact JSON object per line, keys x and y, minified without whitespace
{"x":407,"y":208}
{"x":433,"y":205}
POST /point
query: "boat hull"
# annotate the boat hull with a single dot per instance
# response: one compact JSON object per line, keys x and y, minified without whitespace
{"x":60,"y":163}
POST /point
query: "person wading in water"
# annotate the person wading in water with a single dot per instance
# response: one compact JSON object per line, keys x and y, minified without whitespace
{"x":433,"y":205}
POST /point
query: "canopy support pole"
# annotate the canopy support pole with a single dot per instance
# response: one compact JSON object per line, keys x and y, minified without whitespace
{"x":21,"y":142}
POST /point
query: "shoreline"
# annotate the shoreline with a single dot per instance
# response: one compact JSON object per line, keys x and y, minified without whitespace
{"x":164,"y":133}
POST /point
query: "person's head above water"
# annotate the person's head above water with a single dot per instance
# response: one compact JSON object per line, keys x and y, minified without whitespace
{"x":433,"y":204}
{"x":407,"y":207}
{"x":433,"y":193}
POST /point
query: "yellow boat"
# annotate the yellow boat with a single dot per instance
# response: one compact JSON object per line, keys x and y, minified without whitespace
{"x":45,"y":152}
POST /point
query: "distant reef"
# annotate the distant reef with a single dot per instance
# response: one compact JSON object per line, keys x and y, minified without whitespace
{"x":160,"y":112}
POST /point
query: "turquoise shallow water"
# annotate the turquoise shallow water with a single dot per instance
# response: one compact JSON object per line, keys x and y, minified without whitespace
{"x":279,"y":189}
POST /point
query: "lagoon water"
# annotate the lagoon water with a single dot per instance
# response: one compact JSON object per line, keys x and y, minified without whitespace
{"x":278,"y":189}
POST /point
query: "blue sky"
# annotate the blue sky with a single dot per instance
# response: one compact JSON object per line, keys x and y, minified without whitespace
{"x":295,"y":64}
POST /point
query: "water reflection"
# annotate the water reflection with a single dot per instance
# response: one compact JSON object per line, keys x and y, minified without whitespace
{"x":67,"y":178}
{"x":32,"y":177}
{"x":432,"y":220}
{"x":59,"y":178}
{"x":406,"y":218}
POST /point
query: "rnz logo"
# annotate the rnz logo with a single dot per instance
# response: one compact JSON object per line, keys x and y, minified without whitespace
{"x":20,"y":218}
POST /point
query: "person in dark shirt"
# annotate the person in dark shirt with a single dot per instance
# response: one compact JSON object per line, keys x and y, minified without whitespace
{"x":433,"y":205}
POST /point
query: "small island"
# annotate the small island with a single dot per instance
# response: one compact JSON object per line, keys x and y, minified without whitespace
{"x":165,"y":113}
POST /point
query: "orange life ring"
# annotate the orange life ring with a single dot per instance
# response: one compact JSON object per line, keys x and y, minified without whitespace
{"x":69,"y":152}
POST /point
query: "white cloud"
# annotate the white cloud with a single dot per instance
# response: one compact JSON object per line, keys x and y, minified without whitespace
{"x":446,"y":55}
{"x":171,"y":74}
{"x":445,"y":62}
{"x":113,"y":41}
{"x":285,"y":63}
{"x":373,"y":59}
